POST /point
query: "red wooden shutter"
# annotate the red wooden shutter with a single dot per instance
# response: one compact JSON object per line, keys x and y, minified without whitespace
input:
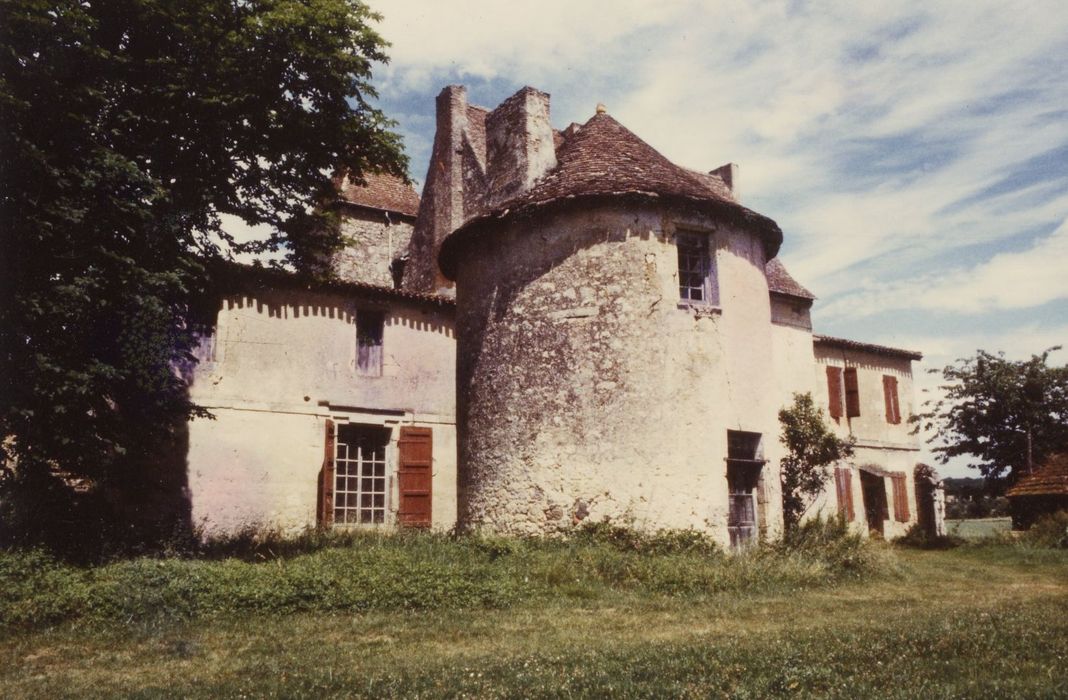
{"x":852,"y":393}
{"x":893,"y":410}
{"x":834,"y":391}
{"x":325,"y":509}
{"x":415,"y":477}
{"x":843,"y":478}
{"x":901,"y":498}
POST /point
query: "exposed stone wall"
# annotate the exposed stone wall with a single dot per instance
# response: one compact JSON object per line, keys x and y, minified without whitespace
{"x":519,"y":145}
{"x":373,"y":240}
{"x":586,"y":391}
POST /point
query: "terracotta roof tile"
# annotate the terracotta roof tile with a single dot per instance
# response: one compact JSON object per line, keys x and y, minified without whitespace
{"x":1049,"y":479}
{"x":602,"y":158}
{"x":780,"y":281}
{"x":382,"y":191}
{"x":866,"y":347}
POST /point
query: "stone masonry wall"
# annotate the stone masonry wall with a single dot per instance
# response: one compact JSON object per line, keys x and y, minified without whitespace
{"x":585,"y":391}
{"x":373,"y":240}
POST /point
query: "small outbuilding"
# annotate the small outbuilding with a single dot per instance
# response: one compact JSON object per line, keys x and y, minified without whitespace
{"x":1044,"y":491}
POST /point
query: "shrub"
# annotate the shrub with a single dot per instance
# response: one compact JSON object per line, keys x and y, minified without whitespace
{"x":918,"y":538}
{"x":1050,"y":530}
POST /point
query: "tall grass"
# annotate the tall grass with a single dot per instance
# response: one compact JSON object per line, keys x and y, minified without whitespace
{"x":418,"y":571}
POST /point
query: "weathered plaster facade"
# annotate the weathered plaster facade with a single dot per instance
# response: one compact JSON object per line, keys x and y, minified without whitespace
{"x":575,"y":377}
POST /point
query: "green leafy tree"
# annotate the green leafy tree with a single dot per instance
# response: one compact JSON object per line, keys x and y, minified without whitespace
{"x":810,"y":448}
{"x":128,"y":128}
{"x":1006,"y":415}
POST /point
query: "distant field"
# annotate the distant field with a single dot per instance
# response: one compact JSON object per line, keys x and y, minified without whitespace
{"x":506,"y":619}
{"x":978,"y":528}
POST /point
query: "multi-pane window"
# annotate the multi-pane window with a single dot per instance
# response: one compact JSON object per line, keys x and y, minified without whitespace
{"x":369,"y":327}
{"x":360,"y":483}
{"x":697,"y":276}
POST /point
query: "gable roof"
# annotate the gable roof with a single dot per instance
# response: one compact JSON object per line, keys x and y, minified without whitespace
{"x":382,"y":191}
{"x":602,"y":159}
{"x":780,"y":281}
{"x":1051,"y":479}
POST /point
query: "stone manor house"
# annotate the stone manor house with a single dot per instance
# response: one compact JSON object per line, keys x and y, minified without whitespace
{"x":567,"y":326}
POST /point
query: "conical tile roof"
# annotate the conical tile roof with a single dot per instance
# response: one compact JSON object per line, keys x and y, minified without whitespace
{"x":604,"y":159}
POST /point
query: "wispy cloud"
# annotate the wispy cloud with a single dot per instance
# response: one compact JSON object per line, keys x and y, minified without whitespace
{"x":915,"y":153}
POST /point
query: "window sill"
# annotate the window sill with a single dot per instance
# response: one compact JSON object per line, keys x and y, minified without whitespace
{"x":700,"y":310}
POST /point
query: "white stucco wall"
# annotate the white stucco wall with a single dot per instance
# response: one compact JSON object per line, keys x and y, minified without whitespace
{"x":281,"y":363}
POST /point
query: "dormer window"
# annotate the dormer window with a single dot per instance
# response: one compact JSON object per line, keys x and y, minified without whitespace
{"x":697,"y":271}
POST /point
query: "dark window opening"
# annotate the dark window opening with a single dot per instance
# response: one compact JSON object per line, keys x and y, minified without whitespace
{"x":396,"y":270}
{"x":369,"y":327}
{"x":697,"y":282}
{"x":360,"y":482}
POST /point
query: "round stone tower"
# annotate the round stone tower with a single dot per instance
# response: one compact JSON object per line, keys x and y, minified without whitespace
{"x":614,"y":345}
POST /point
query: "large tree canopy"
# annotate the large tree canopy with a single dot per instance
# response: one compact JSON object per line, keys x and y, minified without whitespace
{"x":128,"y":127}
{"x":1001,"y":413}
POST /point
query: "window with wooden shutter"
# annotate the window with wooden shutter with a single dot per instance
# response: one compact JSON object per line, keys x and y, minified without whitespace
{"x":893,"y":411}
{"x":415,"y":477}
{"x":834,"y":391}
{"x":852,"y":392}
{"x":369,"y":332}
{"x":325,"y":505}
{"x":843,"y":478}
{"x":901,"y":498}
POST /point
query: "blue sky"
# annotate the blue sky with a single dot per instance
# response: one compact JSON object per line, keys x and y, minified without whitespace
{"x":914,"y":153}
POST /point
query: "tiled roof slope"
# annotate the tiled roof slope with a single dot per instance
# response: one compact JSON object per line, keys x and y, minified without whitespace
{"x":603,"y":158}
{"x":780,"y":281}
{"x":1050,"y":479}
{"x":866,"y":347}
{"x":382,"y":191}
{"x":714,"y":183}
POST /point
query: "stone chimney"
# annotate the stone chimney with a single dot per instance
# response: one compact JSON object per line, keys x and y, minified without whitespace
{"x":519,"y":145}
{"x":729,"y":174}
{"x":441,"y":208}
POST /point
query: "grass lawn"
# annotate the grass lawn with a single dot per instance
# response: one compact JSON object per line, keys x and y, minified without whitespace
{"x":978,"y":528}
{"x":980,"y":622}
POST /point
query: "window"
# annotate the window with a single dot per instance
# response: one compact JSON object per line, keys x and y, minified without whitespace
{"x":744,"y":466}
{"x":852,"y":393}
{"x":360,"y":474}
{"x":834,"y":392}
{"x":369,"y":325}
{"x":893,"y":410}
{"x":697,"y":274}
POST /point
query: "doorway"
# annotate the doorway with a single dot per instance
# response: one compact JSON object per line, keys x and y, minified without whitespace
{"x":873,"y":488}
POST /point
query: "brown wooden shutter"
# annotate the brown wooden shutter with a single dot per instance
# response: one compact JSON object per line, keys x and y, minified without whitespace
{"x":901,"y":498}
{"x":325,"y":509}
{"x":415,"y":477}
{"x":843,"y":478}
{"x":852,"y":393}
{"x":893,"y":410}
{"x":834,"y":391}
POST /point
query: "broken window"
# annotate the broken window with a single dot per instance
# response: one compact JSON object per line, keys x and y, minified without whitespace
{"x":744,"y":466}
{"x":369,"y":327}
{"x":893,"y":409}
{"x":697,"y":273}
{"x":360,"y":483}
